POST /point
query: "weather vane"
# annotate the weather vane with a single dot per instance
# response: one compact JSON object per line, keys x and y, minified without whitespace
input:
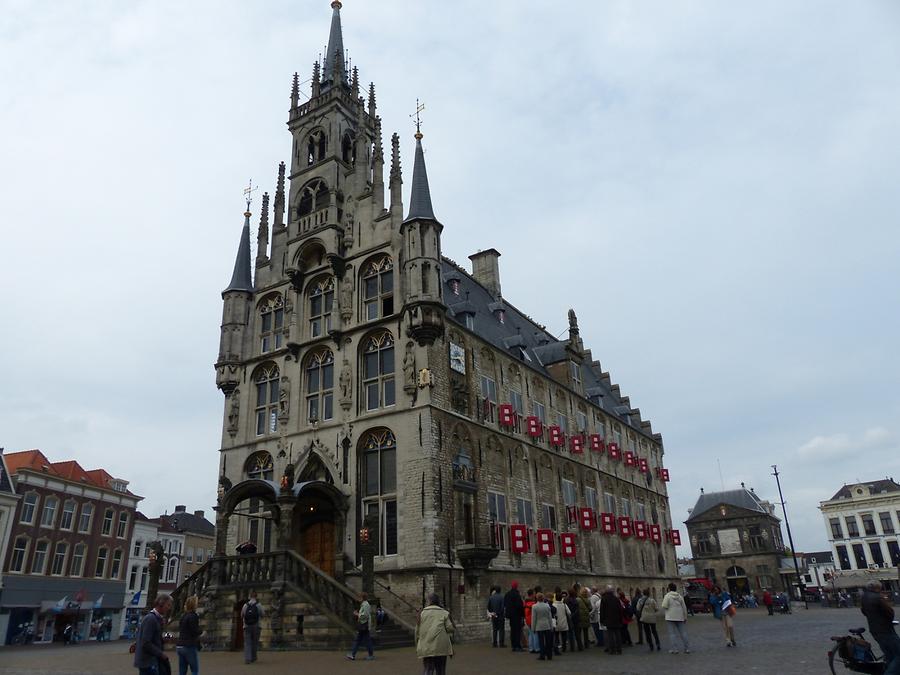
{"x":248,"y":193}
{"x":419,"y":108}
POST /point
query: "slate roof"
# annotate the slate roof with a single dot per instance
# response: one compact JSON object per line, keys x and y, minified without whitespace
{"x":420,"y":195}
{"x":742,"y":498}
{"x":822,"y":557}
{"x":5,"y":479}
{"x":335,"y":46}
{"x":876,"y":487}
{"x":531,"y":343}
{"x":184,"y":521}
{"x":241,"y":280}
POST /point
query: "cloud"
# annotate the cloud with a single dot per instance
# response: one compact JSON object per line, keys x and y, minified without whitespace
{"x":841,"y":445}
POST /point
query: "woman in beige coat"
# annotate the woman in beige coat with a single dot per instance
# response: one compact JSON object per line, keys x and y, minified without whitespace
{"x":649,"y":612}
{"x":433,"y":632}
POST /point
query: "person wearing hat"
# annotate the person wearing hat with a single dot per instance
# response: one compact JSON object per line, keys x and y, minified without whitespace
{"x":514,"y":609}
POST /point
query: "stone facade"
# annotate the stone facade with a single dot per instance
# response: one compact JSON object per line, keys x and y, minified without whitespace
{"x":736,"y":541}
{"x":368,"y":377}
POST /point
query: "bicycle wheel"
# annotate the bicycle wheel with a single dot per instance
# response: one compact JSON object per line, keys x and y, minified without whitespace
{"x":831,"y":660}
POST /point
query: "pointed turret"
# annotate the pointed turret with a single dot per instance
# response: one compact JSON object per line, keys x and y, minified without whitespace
{"x":316,"y":79}
{"x":396,"y":180}
{"x":241,"y":279}
{"x":279,"y":197}
{"x":262,"y":237}
{"x":420,"y":195}
{"x":335,"y":71}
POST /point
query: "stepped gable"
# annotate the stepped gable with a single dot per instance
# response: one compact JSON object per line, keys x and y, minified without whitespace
{"x":742,"y":498}
{"x":522,"y":337}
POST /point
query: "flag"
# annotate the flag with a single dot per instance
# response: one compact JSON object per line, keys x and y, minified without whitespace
{"x":62,"y":603}
{"x":136,"y":598}
{"x":98,"y":602}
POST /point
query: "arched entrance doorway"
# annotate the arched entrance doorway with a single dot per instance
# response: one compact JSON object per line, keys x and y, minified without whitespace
{"x":318,"y":525}
{"x":737,"y":580}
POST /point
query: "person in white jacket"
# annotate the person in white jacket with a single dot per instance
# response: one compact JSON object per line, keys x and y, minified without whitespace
{"x":563,"y":615}
{"x":676,"y":618}
{"x":595,"y":615}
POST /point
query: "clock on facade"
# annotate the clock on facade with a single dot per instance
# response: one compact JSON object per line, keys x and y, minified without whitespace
{"x":457,"y":358}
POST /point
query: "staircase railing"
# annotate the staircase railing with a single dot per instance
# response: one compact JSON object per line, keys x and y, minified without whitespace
{"x":397,"y":607}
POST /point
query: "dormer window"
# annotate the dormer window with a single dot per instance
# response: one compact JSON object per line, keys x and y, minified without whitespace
{"x":454,"y":286}
{"x":501,"y":315}
{"x":576,"y":375}
{"x":470,"y":320}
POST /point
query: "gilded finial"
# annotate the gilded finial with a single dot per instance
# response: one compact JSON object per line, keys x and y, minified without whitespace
{"x":419,"y":108}
{"x":336,"y":4}
{"x":248,"y":196}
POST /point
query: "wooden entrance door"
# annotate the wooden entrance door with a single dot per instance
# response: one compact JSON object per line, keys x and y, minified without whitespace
{"x":318,"y":546}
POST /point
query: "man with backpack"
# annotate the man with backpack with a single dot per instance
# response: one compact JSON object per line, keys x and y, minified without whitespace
{"x":251,"y":614}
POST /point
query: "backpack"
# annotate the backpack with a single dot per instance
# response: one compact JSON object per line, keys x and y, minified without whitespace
{"x":251,"y":614}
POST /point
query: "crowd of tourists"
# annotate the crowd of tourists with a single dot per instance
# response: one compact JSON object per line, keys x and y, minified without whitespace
{"x":551,"y":622}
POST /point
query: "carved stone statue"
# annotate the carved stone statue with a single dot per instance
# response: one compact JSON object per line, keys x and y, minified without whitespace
{"x":287,"y":478}
{"x":284,"y":398}
{"x":409,"y":369}
{"x":234,"y":412}
{"x":346,"y":296}
{"x":344,"y":381}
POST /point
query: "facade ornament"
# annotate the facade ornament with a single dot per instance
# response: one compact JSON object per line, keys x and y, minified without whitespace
{"x":345,"y":295}
{"x":409,"y":369}
{"x":234,"y":412}
{"x":345,"y":383}
{"x":284,"y":399}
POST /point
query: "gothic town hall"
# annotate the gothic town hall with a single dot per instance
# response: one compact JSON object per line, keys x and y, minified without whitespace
{"x":392,"y":420}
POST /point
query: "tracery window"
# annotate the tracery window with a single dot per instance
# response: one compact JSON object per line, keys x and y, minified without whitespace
{"x":267,"y":400}
{"x":271,"y":324}
{"x":321,"y":303}
{"x":320,"y":386}
{"x":378,"y":288}
{"x":314,"y":197}
{"x":259,"y":466}
{"x":378,"y":371}
{"x":379,"y":483}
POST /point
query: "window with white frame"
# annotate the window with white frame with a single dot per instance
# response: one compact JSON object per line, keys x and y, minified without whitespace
{"x":562,"y":422}
{"x":77,"y":568}
{"x":515,"y":399}
{"x":626,"y":507}
{"x":19,"y":553}
{"x":58,"y":566}
{"x":137,"y":549}
{"x":378,"y":371}
{"x":100,"y":565}
{"x":525,"y":512}
{"x":488,"y":389}
{"x":267,"y":392}
{"x":378,"y":288}
{"x":67,"y":521}
{"x":548,"y":516}
{"x":576,"y":375}
{"x":498,"y":517}
{"x":609,"y":501}
{"x":29,"y":507}
{"x":271,"y":315}
{"x":199,"y":554}
{"x":84,"y":520}
{"x":539,"y":411}
{"x":133,"y":578}
{"x":122,"y":525}
{"x":116,"y":568}
{"x":144,"y":573}
{"x":581,"y":421}
{"x":640,"y":511}
{"x":379,"y":479}
{"x":568,"y":492}
{"x":189,"y":554}
{"x":320,"y":386}
{"x":39,"y":559}
{"x":590,"y":497}
{"x":106,"y":529}
{"x":48,"y":516}
{"x":321,"y":304}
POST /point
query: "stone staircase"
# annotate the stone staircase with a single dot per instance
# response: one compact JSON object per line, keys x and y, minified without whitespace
{"x":303,"y":608}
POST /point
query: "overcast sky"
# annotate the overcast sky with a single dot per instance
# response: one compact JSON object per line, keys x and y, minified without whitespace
{"x":712,"y":186}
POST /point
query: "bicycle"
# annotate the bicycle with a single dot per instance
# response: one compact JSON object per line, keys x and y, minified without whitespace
{"x":855,"y":653}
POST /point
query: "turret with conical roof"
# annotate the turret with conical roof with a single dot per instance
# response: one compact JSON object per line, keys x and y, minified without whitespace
{"x":335,"y":70}
{"x":421,"y":232}
{"x":237,"y":298}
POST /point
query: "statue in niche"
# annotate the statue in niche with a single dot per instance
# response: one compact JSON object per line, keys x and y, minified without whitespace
{"x":287,"y":478}
{"x":409,"y":369}
{"x":344,"y":381}
{"x":348,"y":223}
{"x":346,"y":295}
{"x":234,"y":411}
{"x":284,"y":398}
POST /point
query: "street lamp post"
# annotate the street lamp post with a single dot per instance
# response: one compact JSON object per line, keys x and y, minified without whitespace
{"x":787,"y":525}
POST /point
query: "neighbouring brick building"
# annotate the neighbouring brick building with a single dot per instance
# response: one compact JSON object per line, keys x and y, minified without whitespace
{"x":736,"y":540}
{"x":68,"y":549}
{"x":369,"y":379}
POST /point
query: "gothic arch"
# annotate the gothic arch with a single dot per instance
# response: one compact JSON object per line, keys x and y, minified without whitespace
{"x":310,"y":256}
{"x":313,"y":196}
{"x":315,"y":468}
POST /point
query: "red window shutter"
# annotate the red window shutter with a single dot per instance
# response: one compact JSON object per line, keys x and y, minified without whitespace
{"x":624,"y":526}
{"x":518,"y":538}
{"x":586,"y":519}
{"x":533,"y":427}
{"x":546,"y":544}
{"x":614,"y":451}
{"x":596,"y":443}
{"x":644,"y":466}
{"x":608,"y":523}
{"x":676,"y":538}
{"x":567,"y":544}
{"x":507,"y":415}
{"x":665,"y":475}
{"x":629,"y":458}
{"x":557,"y":438}
{"x":655,"y":534}
{"x":576,"y":445}
{"x":640,"y":529}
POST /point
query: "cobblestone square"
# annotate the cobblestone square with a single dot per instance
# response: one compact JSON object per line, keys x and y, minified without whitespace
{"x":791,"y":645}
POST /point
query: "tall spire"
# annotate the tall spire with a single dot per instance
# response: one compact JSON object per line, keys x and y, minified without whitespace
{"x":241,"y":280}
{"x":420,"y":195}
{"x":279,"y":197}
{"x":335,"y":70}
{"x":262,"y":237}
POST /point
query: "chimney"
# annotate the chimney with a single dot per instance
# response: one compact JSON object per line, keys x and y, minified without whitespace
{"x":180,"y":508}
{"x":199,"y":513}
{"x":486,"y":270}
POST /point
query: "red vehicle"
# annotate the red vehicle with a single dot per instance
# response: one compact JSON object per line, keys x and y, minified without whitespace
{"x":696,"y":594}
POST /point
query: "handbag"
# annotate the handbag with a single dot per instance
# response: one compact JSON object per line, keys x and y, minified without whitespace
{"x":731,"y":610}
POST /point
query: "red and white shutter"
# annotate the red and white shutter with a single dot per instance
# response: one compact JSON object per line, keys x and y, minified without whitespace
{"x":507,"y":415}
{"x":629,"y":458}
{"x":557,"y":438}
{"x":596,"y":443}
{"x":608,"y":523}
{"x":644,"y":465}
{"x":624,"y":526}
{"x":655,"y":534}
{"x":665,"y":474}
{"x":676,"y":538}
{"x":518,"y":538}
{"x":533,"y":427}
{"x":576,"y":445}
{"x":640,"y":529}
{"x":546,"y":544}
{"x":567,"y":544}
{"x":614,"y":451}
{"x":586,"y":520}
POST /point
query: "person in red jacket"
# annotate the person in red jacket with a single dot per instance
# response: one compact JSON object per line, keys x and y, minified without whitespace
{"x":533,"y":644}
{"x":768,"y":602}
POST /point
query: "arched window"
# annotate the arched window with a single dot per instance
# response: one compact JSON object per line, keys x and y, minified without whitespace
{"x":259,"y":466}
{"x":271,"y":323}
{"x":313,"y":197}
{"x":316,"y":147}
{"x":267,"y":400}
{"x":39,"y":560}
{"x":378,"y":288}
{"x":19,"y":553}
{"x":320,"y":386}
{"x":321,"y":302}
{"x":84,"y":520}
{"x":68,"y":515}
{"x":348,"y":148}
{"x":29,"y":507}
{"x":378,"y":371}
{"x":48,"y":517}
{"x":379,"y":485}
{"x":77,"y":568}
